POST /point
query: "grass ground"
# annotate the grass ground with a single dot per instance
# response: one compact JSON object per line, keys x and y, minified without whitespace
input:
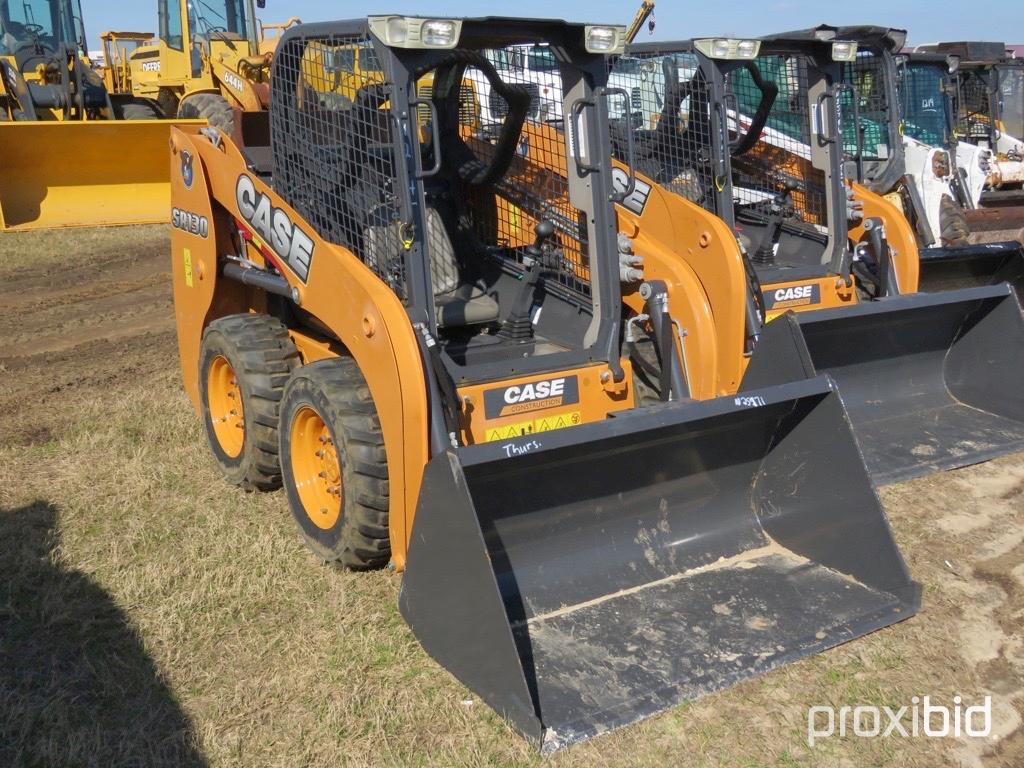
{"x":152,"y":615}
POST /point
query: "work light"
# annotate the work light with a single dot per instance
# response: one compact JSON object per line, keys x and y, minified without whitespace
{"x":844,"y":51}
{"x":728,"y":48}
{"x":607,"y":39}
{"x":412,"y":32}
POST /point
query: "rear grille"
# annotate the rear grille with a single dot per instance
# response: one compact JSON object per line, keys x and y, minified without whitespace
{"x":499,"y":107}
{"x":468,"y":110}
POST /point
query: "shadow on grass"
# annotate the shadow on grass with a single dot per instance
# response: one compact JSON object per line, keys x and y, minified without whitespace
{"x":76,"y":684}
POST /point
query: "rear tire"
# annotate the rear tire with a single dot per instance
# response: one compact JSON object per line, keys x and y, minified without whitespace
{"x":244,"y":364}
{"x":211,"y":107}
{"x":334,"y":464}
{"x":136,"y":109}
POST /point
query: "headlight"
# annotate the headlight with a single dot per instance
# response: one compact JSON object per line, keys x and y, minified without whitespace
{"x":397,"y":32}
{"x":438,"y":33}
{"x":728,"y":48}
{"x":605,"y":39}
{"x":747,"y":49}
{"x":844,"y":51}
{"x":412,"y":32}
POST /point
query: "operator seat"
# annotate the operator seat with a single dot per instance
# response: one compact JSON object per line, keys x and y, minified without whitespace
{"x":458,"y":300}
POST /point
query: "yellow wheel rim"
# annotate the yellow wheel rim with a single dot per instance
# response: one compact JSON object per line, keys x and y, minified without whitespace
{"x":225,"y":401}
{"x":315,"y":468}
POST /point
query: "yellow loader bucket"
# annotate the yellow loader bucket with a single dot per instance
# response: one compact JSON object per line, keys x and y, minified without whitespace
{"x":78,"y":174}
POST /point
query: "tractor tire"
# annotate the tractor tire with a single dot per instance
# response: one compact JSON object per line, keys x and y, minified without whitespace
{"x":334,"y":464}
{"x":211,"y":107}
{"x":244,"y":364}
{"x":953,"y":221}
{"x":136,"y":109}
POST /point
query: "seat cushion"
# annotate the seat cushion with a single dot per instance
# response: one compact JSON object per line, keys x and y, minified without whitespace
{"x":467,"y":305}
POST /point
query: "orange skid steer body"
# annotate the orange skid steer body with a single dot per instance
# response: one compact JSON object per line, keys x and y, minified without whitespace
{"x":756,"y":144}
{"x":446,"y":351}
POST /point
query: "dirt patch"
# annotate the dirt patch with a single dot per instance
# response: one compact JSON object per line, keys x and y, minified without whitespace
{"x":972,"y":563}
{"x":90,"y":312}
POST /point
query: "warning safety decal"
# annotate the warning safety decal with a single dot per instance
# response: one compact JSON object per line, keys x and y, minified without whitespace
{"x":545,"y":424}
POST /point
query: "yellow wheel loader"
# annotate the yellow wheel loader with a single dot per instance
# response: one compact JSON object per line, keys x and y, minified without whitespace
{"x":211,"y":60}
{"x":751,"y":132}
{"x":420,"y":330}
{"x":60,"y":128}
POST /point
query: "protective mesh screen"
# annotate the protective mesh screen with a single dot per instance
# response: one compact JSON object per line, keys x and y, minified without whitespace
{"x":522,"y":112}
{"x":973,"y":111}
{"x":331,"y":135}
{"x":1011,"y":88}
{"x":923,"y":102}
{"x":866,"y":77}
{"x":502,"y":163}
{"x":668,"y":111}
{"x":782,"y":154}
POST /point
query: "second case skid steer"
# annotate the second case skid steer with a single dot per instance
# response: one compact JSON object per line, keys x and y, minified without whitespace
{"x":750,"y":131}
{"x":353,"y":322}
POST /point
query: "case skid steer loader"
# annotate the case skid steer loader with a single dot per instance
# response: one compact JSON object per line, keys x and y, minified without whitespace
{"x":362,"y":317}
{"x":751,"y":132}
{"x":905,"y":149}
{"x":75,"y":153}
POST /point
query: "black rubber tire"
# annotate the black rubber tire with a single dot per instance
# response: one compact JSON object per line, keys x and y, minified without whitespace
{"x":168,"y":101}
{"x":212,"y":107}
{"x":136,"y":109}
{"x":263,"y":355}
{"x":336,"y":390}
{"x":955,"y":229}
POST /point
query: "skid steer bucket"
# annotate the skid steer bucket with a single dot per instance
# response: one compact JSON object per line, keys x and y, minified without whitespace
{"x":945,"y":269}
{"x":91,"y":173}
{"x":930,"y":381}
{"x":583,"y":579}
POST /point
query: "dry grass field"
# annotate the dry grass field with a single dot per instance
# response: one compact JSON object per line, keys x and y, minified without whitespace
{"x":151,"y":615}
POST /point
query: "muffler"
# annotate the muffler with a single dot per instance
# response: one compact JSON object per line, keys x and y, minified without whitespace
{"x":584,"y":579}
{"x":930,"y":381}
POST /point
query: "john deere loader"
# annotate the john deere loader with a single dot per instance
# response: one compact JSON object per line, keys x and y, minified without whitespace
{"x":74,"y":153}
{"x":211,"y":61}
{"x":749,"y":133}
{"x":420,"y":332}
